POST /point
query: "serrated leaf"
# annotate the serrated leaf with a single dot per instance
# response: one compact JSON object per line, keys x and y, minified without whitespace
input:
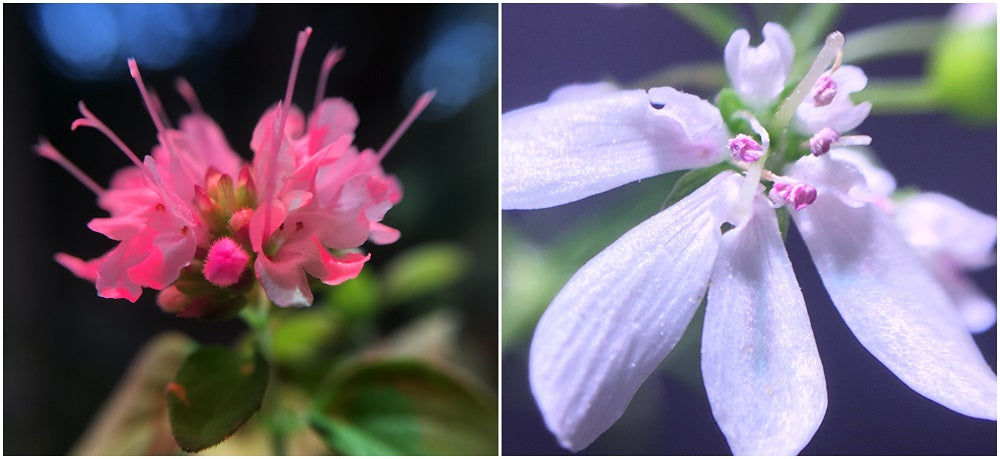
{"x":402,"y":406}
{"x":691,"y":181}
{"x":214,"y":393}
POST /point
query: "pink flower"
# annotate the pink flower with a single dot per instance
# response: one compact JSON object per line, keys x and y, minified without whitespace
{"x":197,"y":222}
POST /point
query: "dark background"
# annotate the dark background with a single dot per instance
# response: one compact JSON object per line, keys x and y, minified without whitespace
{"x":870,"y":410}
{"x":64,"y":347}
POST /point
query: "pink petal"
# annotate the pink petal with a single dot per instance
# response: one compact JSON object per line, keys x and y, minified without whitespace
{"x":83,"y":269}
{"x":336,"y":270}
{"x":284,"y":281}
{"x":381,"y":234}
{"x":333,"y":118}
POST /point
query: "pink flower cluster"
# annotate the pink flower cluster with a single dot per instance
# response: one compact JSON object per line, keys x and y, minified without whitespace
{"x":197,"y":222}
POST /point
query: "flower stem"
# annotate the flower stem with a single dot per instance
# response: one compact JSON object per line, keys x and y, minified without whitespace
{"x":715,"y":21}
{"x":900,"y":96}
{"x":256,"y":315}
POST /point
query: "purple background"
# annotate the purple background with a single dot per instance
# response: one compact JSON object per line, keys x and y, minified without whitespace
{"x":870,"y":410}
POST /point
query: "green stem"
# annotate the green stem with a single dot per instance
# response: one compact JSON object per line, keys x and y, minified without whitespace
{"x":714,"y":20}
{"x":912,"y":36}
{"x":257,"y":316}
{"x":899,"y":96}
{"x":812,"y":22}
{"x":695,"y":75}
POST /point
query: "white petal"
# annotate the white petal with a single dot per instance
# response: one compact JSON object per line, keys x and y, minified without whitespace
{"x":878,"y":180}
{"x":570,"y":148}
{"x":894,"y":306}
{"x":574,"y":92}
{"x":758,"y":74}
{"x":936,"y":224}
{"x":841,"y":114}
{"x":978,"y":311}
{"x":622,"y":313}
{"x":759,"y":360}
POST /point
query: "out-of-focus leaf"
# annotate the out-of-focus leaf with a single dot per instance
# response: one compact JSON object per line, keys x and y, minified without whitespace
{"x":963,"y":72}
{"x":425,"y":269}
{"x":899,"y":96}
{"x":134,"y":422}
{"x":812,"y":22}
{"x":356,"y":298}
{"x":705,"y":76}
{"x":529,"y":282}
{"x":213,"y":394}
{"x":296,"y":336}
{"x":401,"y":406}
{"x":431,"y":337}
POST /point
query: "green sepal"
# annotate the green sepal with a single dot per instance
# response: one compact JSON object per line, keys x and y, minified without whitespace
{"x":693,"y":180}
{"x":404,"y":406}
{"x":729,"y":103}
{"x":214,"y":393}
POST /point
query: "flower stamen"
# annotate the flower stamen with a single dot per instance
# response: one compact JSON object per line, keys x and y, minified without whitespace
{"x":422,"y":102}
{"x":46,"y":150}
{"x":831,"y":48}
{"x":797,"y":194}
{"x":333,"y":56}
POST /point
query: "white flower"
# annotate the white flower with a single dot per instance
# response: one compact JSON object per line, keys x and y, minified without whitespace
{"x":952,"y":238}
{"x":624,"y":310}
{"x":949,"y":236}
{"x":839,"y":114}
{"x":758,"y":73}
{"x":587,"y":139}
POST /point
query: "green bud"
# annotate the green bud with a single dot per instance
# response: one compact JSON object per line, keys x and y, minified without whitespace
{"x":963,"y":70}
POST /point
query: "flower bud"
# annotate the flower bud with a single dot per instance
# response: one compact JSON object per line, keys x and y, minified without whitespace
{"x":225,"y":262}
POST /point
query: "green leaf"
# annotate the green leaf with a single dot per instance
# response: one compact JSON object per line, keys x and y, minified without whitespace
{"x":530,"y":281}
{"x":356,"y":298}
{"x":401,"y":406}
{"x":910,"y":36}
{"x":214,"y":393}
{"x":297,"y":336}
{"x":714,"y":20}
{"x":426,"y":269}
{"x":693,"y":180}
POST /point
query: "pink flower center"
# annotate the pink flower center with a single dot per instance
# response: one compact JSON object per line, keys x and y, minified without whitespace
{"x":824,"y":91}
{"x":225,"y":262}
{"x":799,"y":195}
{"x":820,"y":143}
{"x":745,"y":148}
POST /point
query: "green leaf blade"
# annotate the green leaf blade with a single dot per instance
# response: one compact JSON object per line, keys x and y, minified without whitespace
{"x":213,"y":394}
{"x":402,"y":406}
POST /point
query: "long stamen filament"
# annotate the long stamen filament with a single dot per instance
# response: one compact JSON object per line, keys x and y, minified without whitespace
{"x":46,"y":150}
{"x":90,"y":120}
{"x":187,"y":92}
{"x":422,"y":102}
{"x":834,"y":44}
{"x":332,"y":58}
